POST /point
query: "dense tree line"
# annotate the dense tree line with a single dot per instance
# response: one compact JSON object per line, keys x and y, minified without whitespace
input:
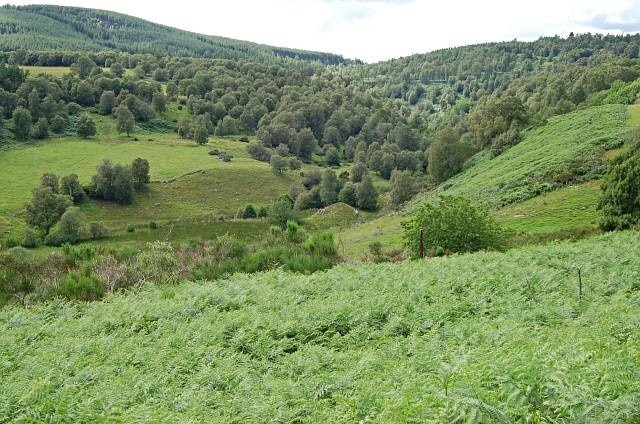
{"x":426,"y":114}
{"x":43,"y":27}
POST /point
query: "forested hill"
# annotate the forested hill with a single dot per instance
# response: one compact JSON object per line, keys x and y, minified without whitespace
{"x":43,"y":27}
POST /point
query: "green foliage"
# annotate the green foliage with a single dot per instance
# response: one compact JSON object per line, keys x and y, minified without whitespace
{"x":403,"y":187}
{"x":31,"y":239}
{"x":40,"y":129}
{"x":249,"y":212}
{"x":447,"y":154}
{"x":97,"y":230}
{"x":281,"y":212}
{"x":70,"y":229}
{"x":78,"y":286}
{"x":41,"y":27}
{"x":278,"y":164}
{"x":354,"y":332}
{"x":453,"y":224}
{"x":620,"y":201}
{"x":21,"y":124}
{"x":85,"y":127}
{"x":568,"y":149}
{"x":140,"y":173}
{"x":125,"y":120}
{"x":367,"y":195}
{"x":329,"y":187}
{"x":70,"y":186}
{"x":45,"y":208}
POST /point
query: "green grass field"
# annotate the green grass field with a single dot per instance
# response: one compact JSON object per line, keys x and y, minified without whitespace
{"x":487,"y":337}
{"x":563,"y":209}
{"x":210,"y":188}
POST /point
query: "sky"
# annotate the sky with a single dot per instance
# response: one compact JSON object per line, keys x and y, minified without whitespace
{"x":374,"y":30}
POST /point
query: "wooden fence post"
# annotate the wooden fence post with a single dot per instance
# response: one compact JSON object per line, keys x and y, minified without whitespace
{"x":580,"y":283}
{"x":421,"y":243}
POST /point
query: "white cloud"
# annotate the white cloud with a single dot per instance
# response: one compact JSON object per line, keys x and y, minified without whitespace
{"x":381,"y":29}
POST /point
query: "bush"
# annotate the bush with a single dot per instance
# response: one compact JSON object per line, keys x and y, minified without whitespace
{"x":259,"y":152}
{"x":322,"y":244}
{"x":70,"y":229}
{"x":282,"y":212}
{"x":31,"y":239}
{"x":98,"y":230}
{"x":78,"y":286}
{"x":295,"y":234}
{"x":620,"y":201}
{"x":131,"y":228}
{"x":153,"y":225}
{"x":249,"y":212}
{"x":10,"y":243}
{"x":262,"y":212}
{"x":453,"y":224}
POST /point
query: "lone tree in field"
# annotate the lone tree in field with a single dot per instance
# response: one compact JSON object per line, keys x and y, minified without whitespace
{"x":140,"y":171}
{"x":200,"y":133}
{"x":21,"y":124}
{"x":124,"y":119}
{"x":452,"y":224}
{"x":85,"y":127}
{"x":620,"y":201}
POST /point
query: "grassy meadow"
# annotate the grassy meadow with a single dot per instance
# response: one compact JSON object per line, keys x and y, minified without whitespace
{"x":487,"y":337}
{"x":187,"y":182}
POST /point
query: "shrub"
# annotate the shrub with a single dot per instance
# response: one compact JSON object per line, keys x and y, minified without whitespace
{"x":78,"y":286}
{"x":295,"y":234}
{"x":278,"y":164}
{"x":453,"y":224}
{"x":262,"y":212}
{"x":281,"y":212}
{"x":620,"y":201}
{"x":157,"y":264}
{"x":153,"y":225}
{"x":98,"y":230}
{"x":322,"y":244}
{"x":31,"y":239}
{"x":70,"y":229}
{"x":259,"y":152}
{"x":249,"y":212}
{"x":10,"y":242}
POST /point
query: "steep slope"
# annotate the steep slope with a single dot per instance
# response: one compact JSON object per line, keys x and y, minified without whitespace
{"x":569,"y":148}
{"x":544,"y":184}
{"x":39,"y":27}
{"x":477,"y":338}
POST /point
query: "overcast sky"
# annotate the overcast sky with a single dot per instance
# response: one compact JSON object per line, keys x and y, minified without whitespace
{"x":374,"y":30}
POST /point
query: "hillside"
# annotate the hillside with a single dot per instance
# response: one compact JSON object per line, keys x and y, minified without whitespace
{"x":546,"y":185}
{"x":474,"y":338}
{"x":44,"y":27}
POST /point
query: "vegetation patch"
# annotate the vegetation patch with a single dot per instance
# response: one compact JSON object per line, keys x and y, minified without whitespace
{"x":471,"y":337}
